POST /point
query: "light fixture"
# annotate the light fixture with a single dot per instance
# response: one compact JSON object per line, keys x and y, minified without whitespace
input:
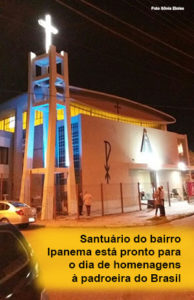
{"x":181,"y":166}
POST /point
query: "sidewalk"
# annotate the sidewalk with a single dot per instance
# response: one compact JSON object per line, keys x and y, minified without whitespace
{"x":146,"y":217}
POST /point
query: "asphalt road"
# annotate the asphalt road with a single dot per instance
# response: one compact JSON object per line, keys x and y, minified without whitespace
{"x":184,"y":222}
{"x":159,"y":295}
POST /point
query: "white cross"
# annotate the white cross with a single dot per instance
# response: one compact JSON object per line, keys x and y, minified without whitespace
{"x":49,"y":29}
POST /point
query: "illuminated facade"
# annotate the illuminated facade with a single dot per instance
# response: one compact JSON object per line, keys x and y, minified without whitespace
{"x":142,"y":150}
{"x":57,"y":140}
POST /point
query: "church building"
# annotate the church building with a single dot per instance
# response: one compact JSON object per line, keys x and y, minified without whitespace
{"x":115,"y":140}
{"x":58,"y":140}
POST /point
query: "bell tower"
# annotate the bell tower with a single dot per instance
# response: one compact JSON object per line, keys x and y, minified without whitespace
{"x":48,"y":91}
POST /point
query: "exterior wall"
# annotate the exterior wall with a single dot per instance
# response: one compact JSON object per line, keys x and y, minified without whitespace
{"x":6,"y":141}
{"x":6,"y":170}
{"x":125,"y":157}
{"x":125,"y":140}
{"x":191,"y":156}
{"x":15,"y":106}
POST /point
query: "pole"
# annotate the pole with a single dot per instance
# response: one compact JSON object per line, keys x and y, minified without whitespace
{"x":102,"y":199}
{"x":121,"y":193}
{"x":188,"y":192}
{"x":78,"y":195}
{"x":1,"y":186}
{"x":139,"y":196}
{"x":55,"y":198}
{"x":168,"y":190}
{"x":30,"y":187}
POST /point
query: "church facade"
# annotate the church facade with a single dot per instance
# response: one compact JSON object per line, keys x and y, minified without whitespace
{"x":121,"y":149}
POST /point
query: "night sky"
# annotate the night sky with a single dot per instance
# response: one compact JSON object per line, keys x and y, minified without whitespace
{"x":120,"y":47}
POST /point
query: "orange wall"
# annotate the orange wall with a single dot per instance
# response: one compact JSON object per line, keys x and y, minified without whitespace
{"x":125,"y":140}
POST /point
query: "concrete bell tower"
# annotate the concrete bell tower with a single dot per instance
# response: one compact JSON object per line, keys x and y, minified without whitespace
{"x":48,"y":73}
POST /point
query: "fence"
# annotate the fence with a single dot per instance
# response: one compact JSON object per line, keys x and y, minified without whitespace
{"x":128,"y":197}
{"x":107,"y":198}
{"x":113,"y":198}
{"x":118,"y":198}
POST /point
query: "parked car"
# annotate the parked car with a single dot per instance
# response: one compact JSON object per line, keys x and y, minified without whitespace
{"x":19,"y":271}
{"x":17,"y":212}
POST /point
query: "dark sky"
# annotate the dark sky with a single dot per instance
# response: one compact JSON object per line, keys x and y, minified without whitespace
{"x":136,"y":52}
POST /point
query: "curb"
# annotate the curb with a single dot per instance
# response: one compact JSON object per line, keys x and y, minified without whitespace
{"x":148,"y":222}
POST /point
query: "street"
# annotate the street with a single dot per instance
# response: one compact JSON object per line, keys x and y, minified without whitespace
{"x":184,"y":222}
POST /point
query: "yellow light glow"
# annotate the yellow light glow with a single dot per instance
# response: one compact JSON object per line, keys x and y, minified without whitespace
{"x":60,"y":114}
{"x":9,"y":124}
{"x":77,"y":109}
{"x":2,"y":125}
{"x":38,"y":118}
{"x":24,"y":119}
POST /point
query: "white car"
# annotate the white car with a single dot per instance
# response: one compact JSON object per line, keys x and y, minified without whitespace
{"x":17,"y":212}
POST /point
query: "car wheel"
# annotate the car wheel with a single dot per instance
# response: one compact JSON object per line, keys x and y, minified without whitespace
{"x":4,"y":220}
{"x":23,"y":226}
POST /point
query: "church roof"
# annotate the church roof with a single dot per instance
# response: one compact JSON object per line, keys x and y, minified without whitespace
{"x":101,"y":101}
{"x":114,"y":104}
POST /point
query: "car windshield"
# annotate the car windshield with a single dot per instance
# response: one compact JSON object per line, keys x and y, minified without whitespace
{"x":18,"y":204}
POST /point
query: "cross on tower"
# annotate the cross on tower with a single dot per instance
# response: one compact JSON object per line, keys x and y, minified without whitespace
{"x":49,"y":29}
